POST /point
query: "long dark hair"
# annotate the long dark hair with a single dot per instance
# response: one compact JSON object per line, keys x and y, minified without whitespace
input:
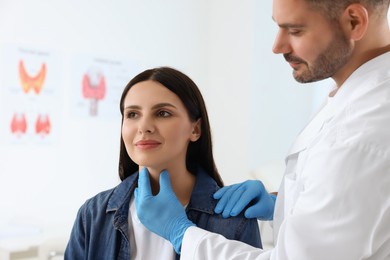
{"x":199,"y":153}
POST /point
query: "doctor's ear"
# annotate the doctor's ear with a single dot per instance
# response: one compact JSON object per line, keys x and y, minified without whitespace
{"x":355,"y":21}
{"x":196,"y":130}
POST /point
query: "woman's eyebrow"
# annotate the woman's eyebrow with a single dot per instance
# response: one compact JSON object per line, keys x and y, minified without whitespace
{"x":157,"y":106}
{"x":133,"y":107}
{"x":161,"y":105}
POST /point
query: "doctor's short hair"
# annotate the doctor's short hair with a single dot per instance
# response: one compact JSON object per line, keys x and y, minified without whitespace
{"x":199,"y":153}
{"x":333,"y":8}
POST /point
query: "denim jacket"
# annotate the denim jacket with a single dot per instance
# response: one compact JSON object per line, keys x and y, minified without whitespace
{"x":101,"y":227}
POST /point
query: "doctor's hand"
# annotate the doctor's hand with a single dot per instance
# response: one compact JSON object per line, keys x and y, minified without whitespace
{"x":162,"y":214}
{"x":234,"y":198}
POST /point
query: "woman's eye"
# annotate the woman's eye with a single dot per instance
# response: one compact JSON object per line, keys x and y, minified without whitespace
{"x":131,"y":115}
{"x":163,"y":113}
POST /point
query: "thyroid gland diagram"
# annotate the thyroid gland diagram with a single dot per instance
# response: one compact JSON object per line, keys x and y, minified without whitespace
{"x":94,"y":90}
{"x":32,"y":82}
{"x":19,"y":124}
{"x":42,"y":125}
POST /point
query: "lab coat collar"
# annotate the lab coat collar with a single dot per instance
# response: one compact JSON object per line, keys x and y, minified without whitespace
{"x":366,"y":76}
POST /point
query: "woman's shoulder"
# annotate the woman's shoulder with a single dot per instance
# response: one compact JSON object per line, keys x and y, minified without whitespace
{"x":101,"y":196}
{"x":97,"y":202}
{"x":110,"y":198}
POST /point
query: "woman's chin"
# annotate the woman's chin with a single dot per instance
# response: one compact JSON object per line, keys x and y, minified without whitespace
{"x":153,"y":169}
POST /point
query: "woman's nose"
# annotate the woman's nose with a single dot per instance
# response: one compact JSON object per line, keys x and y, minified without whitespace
{"x":146,"y":126}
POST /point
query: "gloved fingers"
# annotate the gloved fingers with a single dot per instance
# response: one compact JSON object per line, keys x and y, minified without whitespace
{"x":262,"y":210}
{"x":233,"y":200}
{"x":165,"y":182}
{"x":224,"y":198}
{"x":242,"y":197}
{"x":217,"y":195}
{"x":238,"y":196}
{"x":144,"y":189}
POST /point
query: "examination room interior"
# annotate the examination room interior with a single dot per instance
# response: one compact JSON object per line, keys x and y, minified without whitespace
{"x":59,"y":146}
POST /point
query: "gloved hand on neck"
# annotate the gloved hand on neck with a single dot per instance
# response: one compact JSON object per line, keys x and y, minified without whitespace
{"x":162,"y":214}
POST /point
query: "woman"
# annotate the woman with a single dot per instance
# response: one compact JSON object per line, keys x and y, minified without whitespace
{"x":164,"y":127}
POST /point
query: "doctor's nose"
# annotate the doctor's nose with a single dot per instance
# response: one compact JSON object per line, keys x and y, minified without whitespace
{"x":146,"y":126}
{"x":281,"y":44}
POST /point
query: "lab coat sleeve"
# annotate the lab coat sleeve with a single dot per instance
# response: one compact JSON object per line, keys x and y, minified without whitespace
{"x":342,"y":206}
{"x":202,"y":244}
{"x":342,"y":212}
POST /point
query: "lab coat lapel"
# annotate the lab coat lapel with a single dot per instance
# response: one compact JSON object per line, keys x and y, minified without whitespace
{"x":309,"y":131}
{"x":291,"y":184}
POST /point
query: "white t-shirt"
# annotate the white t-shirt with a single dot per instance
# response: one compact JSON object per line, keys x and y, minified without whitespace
{"x":145,"y":244}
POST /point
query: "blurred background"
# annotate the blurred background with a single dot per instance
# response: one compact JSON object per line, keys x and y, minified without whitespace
{"x":63,"y":66}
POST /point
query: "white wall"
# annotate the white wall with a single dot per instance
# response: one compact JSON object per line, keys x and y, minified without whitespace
{"x":43,"y":185}
{"x":230,"y":62}
{"x":279,"y":106}
{"x":254,"y":105}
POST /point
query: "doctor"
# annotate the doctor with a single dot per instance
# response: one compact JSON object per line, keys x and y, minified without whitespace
{"x":334,"y":201}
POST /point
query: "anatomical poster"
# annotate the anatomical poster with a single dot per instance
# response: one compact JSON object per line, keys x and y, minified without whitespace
{"x":97,"y":85}
{"x":30,"y":99}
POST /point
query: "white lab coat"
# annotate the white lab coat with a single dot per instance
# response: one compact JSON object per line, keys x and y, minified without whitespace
{"x":334,"y":201}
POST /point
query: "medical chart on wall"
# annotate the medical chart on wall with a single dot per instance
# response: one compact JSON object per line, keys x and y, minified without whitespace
{"x":30,"y":94}
{"x":97,"y":85}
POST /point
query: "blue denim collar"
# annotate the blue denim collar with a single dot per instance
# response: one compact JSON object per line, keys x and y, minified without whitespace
{"x":121,"y":195}
{"x":202,"y":194}
{"x":201,"y":197}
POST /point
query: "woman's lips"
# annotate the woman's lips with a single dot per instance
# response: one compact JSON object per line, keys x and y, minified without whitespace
{"x":147,"y":144}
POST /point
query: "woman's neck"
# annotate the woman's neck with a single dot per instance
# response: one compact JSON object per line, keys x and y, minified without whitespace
{"x":182,"y":182}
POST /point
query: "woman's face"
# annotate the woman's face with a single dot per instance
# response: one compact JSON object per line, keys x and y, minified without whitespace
{"x":156,"y":127}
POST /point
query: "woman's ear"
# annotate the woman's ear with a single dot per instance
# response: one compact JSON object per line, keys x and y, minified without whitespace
{"x":196,"y":130}
{"x":355,"y":21}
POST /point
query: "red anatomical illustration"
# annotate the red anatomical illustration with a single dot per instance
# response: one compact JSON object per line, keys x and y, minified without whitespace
{"x":32,"y":82}
{"x":94,"y":91}
{"x":18,"y":124}
{"x":43,"y":125}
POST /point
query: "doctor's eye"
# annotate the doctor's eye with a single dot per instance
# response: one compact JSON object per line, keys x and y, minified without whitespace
{"x":295,"y":32}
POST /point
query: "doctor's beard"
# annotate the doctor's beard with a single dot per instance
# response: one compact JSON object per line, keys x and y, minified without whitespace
{"x":328,"y":62}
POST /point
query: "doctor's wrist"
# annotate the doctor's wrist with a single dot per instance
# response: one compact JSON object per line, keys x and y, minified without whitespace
{"x":178,"y":235}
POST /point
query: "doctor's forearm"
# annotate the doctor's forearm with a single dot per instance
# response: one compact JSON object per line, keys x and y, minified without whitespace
{"x":202,"y":244}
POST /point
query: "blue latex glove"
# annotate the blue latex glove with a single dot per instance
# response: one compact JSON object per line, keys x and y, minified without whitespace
{"x":234,"y":198}
{"x":162,"y":214}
